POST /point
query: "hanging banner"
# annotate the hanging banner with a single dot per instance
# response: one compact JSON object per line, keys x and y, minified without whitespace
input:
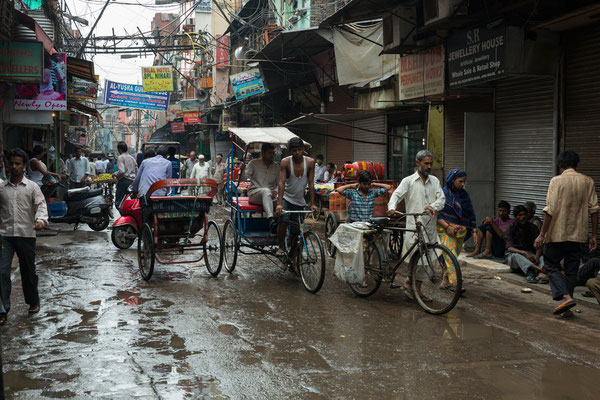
{"x":421,"y":74}
{"x":222,"y":51}
{"x":158,"y":78}
{"x":21,"y":61}
{"x":173,"y":112}
{"x":133,"y":96}
{"x":81,"y":89}
{"x":51,"y":94}
{"x":247,"y":83}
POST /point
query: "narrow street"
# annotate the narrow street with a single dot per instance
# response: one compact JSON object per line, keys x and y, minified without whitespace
{"x":103,"y":332}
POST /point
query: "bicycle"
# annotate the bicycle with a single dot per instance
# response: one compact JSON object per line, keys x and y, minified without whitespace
{"x":427,"y":266}
{"x":310,"y":259}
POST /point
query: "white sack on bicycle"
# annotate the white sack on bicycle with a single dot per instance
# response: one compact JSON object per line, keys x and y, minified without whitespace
{"x":349,"y":260}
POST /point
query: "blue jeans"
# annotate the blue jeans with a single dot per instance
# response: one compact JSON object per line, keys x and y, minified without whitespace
{"x":122,"y":185}
{"x":25,"y":249}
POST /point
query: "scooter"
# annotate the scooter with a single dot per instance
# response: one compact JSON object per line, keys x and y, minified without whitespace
{"x":85,"y":205}
{"x":125,"y":228}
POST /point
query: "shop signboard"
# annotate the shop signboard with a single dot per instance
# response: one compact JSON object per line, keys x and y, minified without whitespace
{"x":157,"y":78}
{"x":51,"y":93}
{"x":81,"y":89}
{"x":203,"y":6}
{"x":177,"y":127}
{"x":21,"y":61}
{"x":133,"y":96}
{"x":191,"y":111}
{"x":421,"y":74}
{"x":247,"y":83}
{"x":222,"y":51}
{"x":173,"y":112}
{"x":476,"y":55}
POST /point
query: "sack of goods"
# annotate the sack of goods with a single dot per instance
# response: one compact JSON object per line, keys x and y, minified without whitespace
{"x":349,"y":259}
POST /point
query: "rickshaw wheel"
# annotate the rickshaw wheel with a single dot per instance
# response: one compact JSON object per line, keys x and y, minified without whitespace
{"x":331,"y":225}
{"x":231,"y":245}
{"x":395,"y":244}
{"x":213,"y":254}
{"x":146,"y":252}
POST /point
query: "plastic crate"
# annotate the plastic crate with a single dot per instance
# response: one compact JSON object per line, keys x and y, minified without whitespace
{"x":58,"y":209}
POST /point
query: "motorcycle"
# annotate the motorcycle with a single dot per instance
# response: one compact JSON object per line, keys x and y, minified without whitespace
{"x":84,"y":205}
{"x":125,"y":228}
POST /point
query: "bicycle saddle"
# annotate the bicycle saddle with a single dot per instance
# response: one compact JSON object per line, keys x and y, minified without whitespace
{"x":379,"y":220}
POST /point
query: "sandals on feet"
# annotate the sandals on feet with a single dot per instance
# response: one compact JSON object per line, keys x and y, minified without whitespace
{"x":34,"y":309}
{"x":564,"y":307}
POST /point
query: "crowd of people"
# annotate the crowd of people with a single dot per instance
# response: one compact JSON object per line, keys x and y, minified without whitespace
{"x":557,"y":250}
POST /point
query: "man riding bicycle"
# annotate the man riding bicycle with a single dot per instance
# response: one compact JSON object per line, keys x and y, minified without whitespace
{"x":296,"y":172}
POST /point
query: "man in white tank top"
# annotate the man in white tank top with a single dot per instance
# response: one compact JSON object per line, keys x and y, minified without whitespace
{"x":297,"y":171}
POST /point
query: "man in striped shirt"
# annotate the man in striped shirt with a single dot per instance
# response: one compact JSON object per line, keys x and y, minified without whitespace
{"x":571,"y":199}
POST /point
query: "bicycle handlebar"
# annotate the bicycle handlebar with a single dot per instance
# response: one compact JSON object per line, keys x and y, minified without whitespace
{"x":297,"y":212}
{"x":422,"y":214}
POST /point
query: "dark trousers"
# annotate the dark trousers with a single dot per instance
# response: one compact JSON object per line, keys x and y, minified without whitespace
{"x":122,"y":185}
{"x":498,"y":245}
{"x":25,"y":249}
{"x":562,"y":284}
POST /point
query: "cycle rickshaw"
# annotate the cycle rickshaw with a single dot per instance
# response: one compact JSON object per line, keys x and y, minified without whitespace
{"x":248,"y":231}
{"x":173,"y":225}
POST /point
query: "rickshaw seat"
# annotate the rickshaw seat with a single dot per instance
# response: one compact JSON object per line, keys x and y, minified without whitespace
{"x":244,"y":205}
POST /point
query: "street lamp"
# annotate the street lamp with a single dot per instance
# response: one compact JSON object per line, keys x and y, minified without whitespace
{"x":82,"y":21}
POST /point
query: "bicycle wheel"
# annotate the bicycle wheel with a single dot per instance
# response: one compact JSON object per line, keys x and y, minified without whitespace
{"x":231,"y":244}
{"x":213,"y":256}
{"x":427,"y":277}
{"x":146,"y":252}
{"x":373,"y":272}
{"x":331,"y":225}
{"x":311,"y":262}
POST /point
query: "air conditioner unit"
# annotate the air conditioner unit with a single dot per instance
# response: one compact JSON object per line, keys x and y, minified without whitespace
{"x":435,"y":10}
{"x":397,"y":31}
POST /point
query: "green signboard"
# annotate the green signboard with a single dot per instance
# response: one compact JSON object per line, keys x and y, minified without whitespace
{"x":21,"y":61}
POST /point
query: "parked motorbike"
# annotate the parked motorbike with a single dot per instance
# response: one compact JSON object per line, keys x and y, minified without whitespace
{"x":84,"y":205}
{"x":125,"y":228}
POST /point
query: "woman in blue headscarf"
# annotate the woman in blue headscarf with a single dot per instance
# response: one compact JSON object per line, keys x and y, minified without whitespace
{"x":456,"y":221}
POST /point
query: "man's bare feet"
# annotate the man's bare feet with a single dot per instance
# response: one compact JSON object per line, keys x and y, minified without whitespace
{"x":473,"y":254}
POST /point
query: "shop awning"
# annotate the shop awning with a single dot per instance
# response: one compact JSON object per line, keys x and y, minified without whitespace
{"x":291,"y":44}
{"x":361,"y":10}
{"x":250,"y":9}
{"x":86,"y":110}
{"x":81,"y":69}
{"x":326,"y":119}
{"x":40,"y":35}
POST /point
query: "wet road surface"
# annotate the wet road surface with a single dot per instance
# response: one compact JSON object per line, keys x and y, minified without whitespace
{"x":103,"y":332}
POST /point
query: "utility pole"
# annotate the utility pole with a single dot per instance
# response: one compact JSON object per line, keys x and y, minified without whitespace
{"x":80,"y":52}
{"x":139,"y":131}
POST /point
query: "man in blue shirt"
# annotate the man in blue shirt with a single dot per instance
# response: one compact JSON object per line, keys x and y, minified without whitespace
{"x":362,"y":196}
{"x":153,"y":170}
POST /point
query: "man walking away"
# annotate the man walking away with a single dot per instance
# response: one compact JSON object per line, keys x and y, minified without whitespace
{"x":100,"y":166}
{"x":23,"y":210}
{"x":570,"y":200}
{"x":126,"y":172}
{"x":188,"y":165}
{"x":219,"y":175}
{"x":421,"y":192}
{"x":78,"y":170}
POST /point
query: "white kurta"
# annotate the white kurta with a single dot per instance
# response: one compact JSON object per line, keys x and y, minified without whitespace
{"x":201,"y":171}
{"x":417,"y":195}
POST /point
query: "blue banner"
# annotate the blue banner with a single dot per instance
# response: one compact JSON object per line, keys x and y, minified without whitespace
{"x":133,"y":96}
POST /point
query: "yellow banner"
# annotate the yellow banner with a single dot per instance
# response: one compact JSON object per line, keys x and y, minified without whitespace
{"x":158,"y":78}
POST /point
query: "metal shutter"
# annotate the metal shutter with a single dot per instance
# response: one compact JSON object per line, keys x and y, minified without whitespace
{"x":454,"y":128}
{"x":582,"y":120}
{"x":524,"y":137}
{"x":370,"y":152}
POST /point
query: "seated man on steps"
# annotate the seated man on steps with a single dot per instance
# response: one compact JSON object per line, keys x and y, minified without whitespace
{"x":492,"y":230}
{"x":521,"y":255}
{"x":264,"y":177}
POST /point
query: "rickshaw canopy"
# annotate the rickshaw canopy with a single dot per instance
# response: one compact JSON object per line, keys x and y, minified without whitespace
{"x":275,"y":135}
